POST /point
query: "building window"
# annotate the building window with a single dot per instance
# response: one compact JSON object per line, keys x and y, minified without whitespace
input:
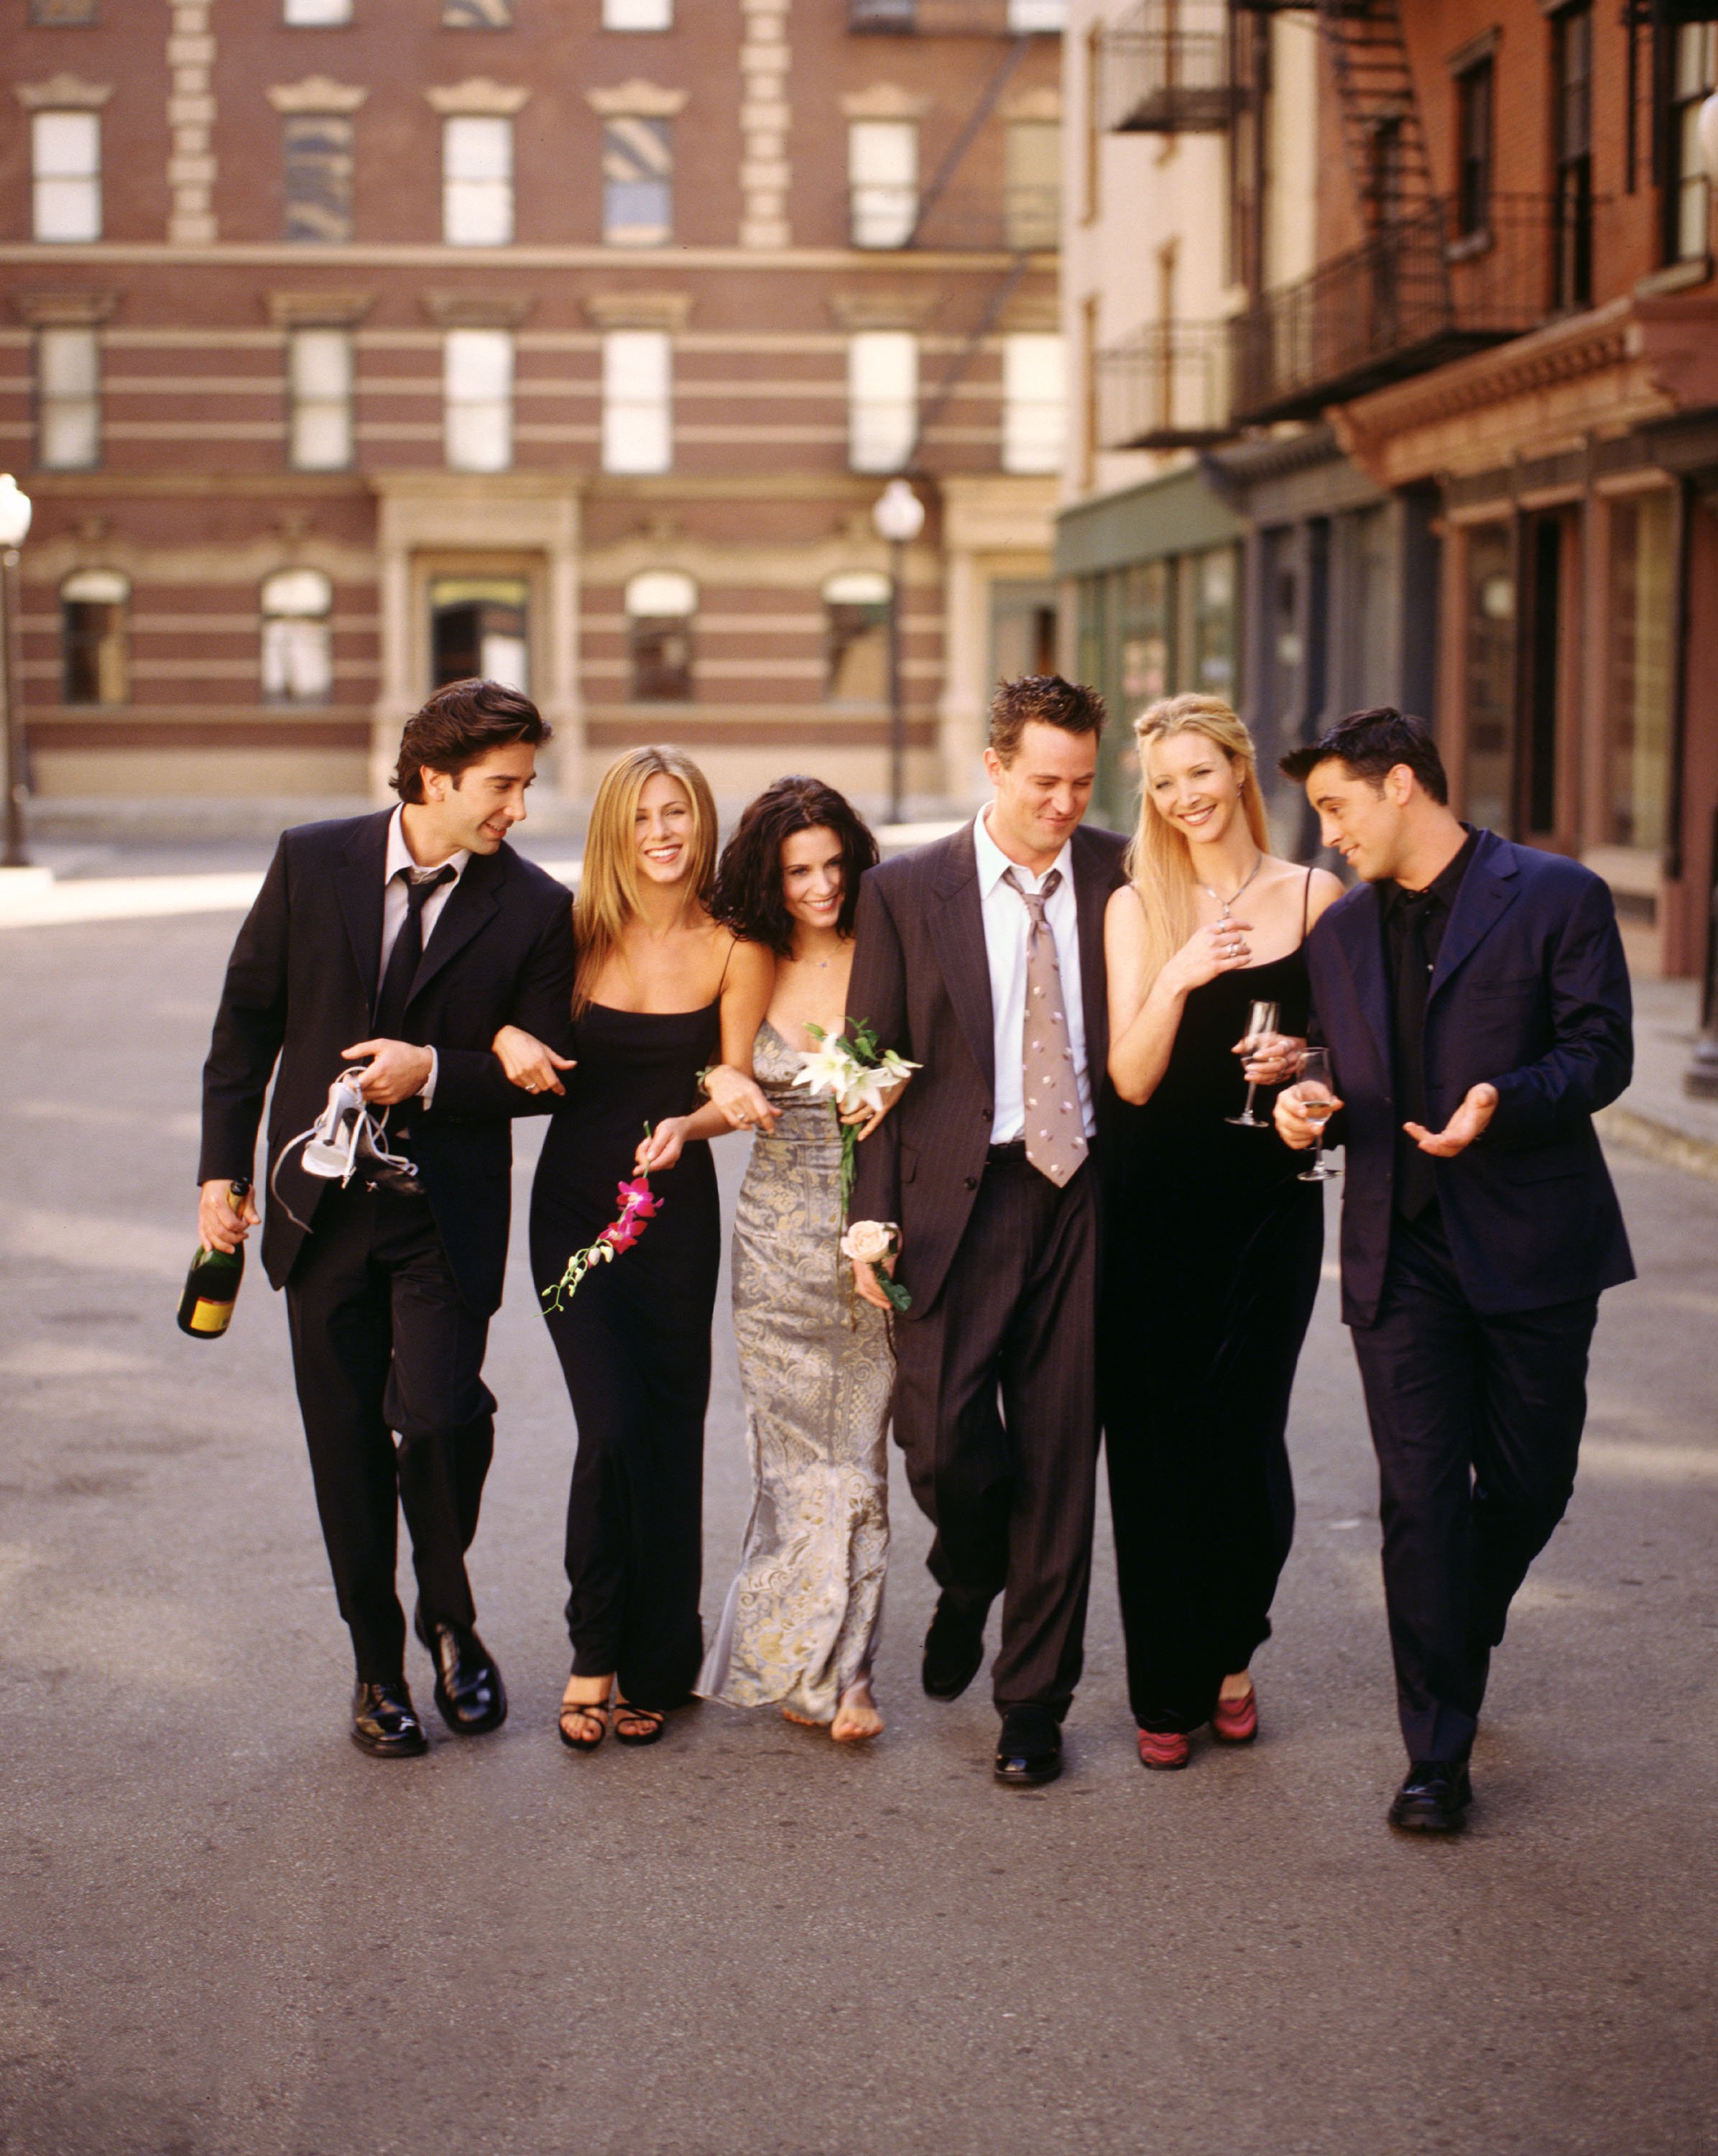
{"x":93,"y":604}
{"x":318,"y":179}
{"x":638,"y":14}
{"x":659,"y":607}
{"x":1042,"y":16}
{"x":477,"y":14}
{"x":65,"y":149}
{"x":882,"y":399}
{"x":63,"y":14}
{"x":477,"y":377}
{"x":1571,"y":129}
{"x":316,"y":14}
{"x":883,"y":181}
{"x":478,"y":631}
{"x":1490,"y":677}
{"x":637,"y":181}
{"x":68,"y":399}
{"x":1214,"y":624}
{"x":298,"y":644}
{"x":638,"y":417}
{"x":1642,"y":616}
{"x":1034,"y":403}
{"x":856,"y":637}
{"x":1689,"y":206}
{"x":477,"y":181}
{"x":1474,"y":88}
{"x":318,"y":378}
{"x":1034,"y":200}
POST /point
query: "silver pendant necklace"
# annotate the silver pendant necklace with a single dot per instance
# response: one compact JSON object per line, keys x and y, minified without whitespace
{"x":1225,"y":903}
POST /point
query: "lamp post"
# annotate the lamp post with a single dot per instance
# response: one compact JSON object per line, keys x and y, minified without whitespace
{"x":1700,"y":1078}
{"x":899,"y":516}
{"x":15,"y":507}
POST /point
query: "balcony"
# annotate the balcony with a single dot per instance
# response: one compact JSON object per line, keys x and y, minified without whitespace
{"x":1167,"y":387}
{"x":890,"y":213}
{"x":957,"y":18}
{"x":1411,"y":298}
{"x":1169,"y":69}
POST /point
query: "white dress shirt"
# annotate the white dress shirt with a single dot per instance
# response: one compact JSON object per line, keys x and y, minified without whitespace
{"x":1006,"y":921}
{"x":394,"y":905}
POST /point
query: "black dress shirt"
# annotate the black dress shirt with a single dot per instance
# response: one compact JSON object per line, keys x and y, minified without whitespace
{"x":1413,"y":925}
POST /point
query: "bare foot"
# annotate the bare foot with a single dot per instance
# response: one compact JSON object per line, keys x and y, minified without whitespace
{"x":856,"y":1719}
{"x":584,"y":1713}
{"x":804,"y":1720}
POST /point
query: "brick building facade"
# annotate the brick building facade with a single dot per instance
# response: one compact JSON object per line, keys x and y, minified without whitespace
{"x":350,"y":345}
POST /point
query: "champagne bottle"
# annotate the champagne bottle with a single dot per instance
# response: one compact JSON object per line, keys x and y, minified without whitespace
{"x":211,"y":1284}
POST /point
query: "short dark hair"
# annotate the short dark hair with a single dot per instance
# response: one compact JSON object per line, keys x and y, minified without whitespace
{"x":461,"y":724}
{"x":1047,"y":699}
{"x":1370,"y":744}
{"x":748,"y":878}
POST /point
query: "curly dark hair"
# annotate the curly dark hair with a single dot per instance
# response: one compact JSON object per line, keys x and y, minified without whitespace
{"x":748,"y":878}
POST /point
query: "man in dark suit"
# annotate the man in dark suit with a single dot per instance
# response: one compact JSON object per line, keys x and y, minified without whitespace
{"x":1474,"y":998}
{"x":400,"y":942}
{"x":981,"y":958}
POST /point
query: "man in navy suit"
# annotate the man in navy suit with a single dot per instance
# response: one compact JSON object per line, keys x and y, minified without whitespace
{"x":1474,"y":998}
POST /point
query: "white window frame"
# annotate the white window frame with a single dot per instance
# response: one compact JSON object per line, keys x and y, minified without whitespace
{"x":321,"y":372}
{"x":477,"y":180}
{"x":882,"y":399}
{"x":477,"y":389}
{"x":637,"y":15}
{"x":316,"y":14}
{"x":298,"y":637}
{"x":1035,"y":401}
{"x":883,"y":181}
{"x":68,"y":397}
{"x":65,"y":164}
{"x":638,"y":401}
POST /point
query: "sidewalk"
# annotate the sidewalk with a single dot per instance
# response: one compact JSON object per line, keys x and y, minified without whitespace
{"x":1655,"y":1116}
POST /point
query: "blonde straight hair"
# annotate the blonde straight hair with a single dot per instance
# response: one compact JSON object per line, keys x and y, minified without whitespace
{"x":608,"y":881}
{"x":1160,"y":862}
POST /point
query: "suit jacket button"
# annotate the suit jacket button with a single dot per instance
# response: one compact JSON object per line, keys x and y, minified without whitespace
{"x":972,"y":1183}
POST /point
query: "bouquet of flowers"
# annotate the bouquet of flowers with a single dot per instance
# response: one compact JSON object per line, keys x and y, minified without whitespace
{"x":869,"y":1242}
{"x":639,"y":1206}
{"x":853,"y":1074}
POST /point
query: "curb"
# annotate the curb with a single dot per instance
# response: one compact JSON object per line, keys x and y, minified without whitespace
{"x":1659,"y":1142}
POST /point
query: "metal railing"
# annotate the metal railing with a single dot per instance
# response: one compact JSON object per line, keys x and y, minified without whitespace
{"x":1415,"y":295}
{"x":1166,"y":387}
{"x":1169,"y":69}
{"x":891,"y":213}
{"x":958,"y":19}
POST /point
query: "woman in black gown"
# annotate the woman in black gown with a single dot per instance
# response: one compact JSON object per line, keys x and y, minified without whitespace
{"x":1213,"y":1245}
{"x":662,"y":993}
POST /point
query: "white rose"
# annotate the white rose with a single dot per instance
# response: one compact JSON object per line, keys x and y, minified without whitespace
{"x":869,"y":1241}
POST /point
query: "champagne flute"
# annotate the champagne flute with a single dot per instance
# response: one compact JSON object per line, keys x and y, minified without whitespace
{"x":1261,"y":1019}
{"x":1315,"y":1071}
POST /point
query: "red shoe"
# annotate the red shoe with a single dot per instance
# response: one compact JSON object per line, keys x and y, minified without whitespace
{"x":1165,"y":1749}
{"x":1236,"y":1720}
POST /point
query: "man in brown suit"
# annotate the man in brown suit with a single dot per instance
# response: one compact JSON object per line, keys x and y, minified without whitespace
{"x":981,"y":958}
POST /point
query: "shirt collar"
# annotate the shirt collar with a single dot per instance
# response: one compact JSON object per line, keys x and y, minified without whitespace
{"x":993,"y":863}
{"x":399,"y":854}
{"x":1442,"y":889}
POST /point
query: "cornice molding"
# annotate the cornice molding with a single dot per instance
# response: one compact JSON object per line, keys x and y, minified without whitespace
{"x":899,"y":310}
{"x":478,"y":95}
{"x":637,"y":100}
{"x":477,"y":311}
{"x":62,"y":93}
{"x":316,"y":92}
{"x":639,"y":311}
{"x":312,"y":310}
{"x":44,"y":309}
{"x":1045,"y":103}
{"x":885,"y":100}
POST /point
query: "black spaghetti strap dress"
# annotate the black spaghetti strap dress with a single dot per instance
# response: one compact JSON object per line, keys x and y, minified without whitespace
{"x":1212,"y":1258}
{"x":635,"y":1349}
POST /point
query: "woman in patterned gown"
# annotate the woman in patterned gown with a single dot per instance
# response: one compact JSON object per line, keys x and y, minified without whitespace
{"x":800,"y":1626}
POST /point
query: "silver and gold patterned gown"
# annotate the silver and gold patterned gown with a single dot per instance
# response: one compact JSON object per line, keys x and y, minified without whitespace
{"x":817,"y":1367}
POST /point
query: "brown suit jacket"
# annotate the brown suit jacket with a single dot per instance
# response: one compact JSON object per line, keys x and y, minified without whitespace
{"x":921,"y":978}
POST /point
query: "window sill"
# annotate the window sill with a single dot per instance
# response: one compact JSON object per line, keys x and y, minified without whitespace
{"x":1674,"y":277}
{"x":1470,"y":244}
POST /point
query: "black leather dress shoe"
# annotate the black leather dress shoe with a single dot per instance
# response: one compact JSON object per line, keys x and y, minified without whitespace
{"x":385,"y":1723}
{"x":1433,"y":1797}
{"x":1029,"y":1753}
{"x":470,"y":1694}
{"x":954,"y":1650}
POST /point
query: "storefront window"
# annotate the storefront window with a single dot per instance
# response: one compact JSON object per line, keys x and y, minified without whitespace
{"x":1642,"y":587}
{"x":1214,"y":620}
{"x":1147,"y":635}
{"x":1491,"y":675}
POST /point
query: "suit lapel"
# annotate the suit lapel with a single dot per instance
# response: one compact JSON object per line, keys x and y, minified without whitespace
{"x":471,"y":904}
{"x":357,"y":886}
{"x":1093,"y":882}
{"x":957,"y":932}
{"x":1359,"y":936}
{"x":1486,"y":893}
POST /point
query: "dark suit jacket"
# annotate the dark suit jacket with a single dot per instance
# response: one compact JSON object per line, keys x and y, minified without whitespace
{"x":922,"y":977}
{"x":1530,"y":992}
{"x":301,"y":986}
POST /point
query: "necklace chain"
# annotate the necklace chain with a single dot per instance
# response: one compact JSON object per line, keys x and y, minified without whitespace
{"x":1225,"y":903}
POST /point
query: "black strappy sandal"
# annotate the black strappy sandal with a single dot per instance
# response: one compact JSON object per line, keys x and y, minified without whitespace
{"x":649,"y":1716}
{"x":596,"y":1709}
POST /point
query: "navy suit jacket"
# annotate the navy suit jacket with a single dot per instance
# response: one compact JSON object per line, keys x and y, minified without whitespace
{"x":1530,"y":992}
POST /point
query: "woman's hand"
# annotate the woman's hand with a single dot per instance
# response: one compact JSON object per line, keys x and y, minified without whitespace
{"x":866,"y":1120}
{"x":1221,"y":948}
{"x":1271,"y":1057}
{"x":741,"y":1100}
{"x":528,"y":1062}
{"x":662,"y":1148}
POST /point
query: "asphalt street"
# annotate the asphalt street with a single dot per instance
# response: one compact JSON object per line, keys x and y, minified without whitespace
{"x":225,"y":1932}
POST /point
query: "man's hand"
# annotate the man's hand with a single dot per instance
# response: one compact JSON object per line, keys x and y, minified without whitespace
{"x":220,"y":1225}
{"x":528,"y":1062}
{"x":1464,"y":1127}
{"x":864,"y":1280}
{"x":1294,"y":1126}
{"x":397,"y":1071}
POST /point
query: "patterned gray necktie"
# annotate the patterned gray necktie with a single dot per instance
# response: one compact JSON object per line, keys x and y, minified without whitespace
{"x":1055,"y":1132}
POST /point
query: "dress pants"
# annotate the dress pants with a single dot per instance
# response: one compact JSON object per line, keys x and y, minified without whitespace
{"x":995,"y":1407}
{"x":1477,"y":1422}
{"x":383,"y":1342}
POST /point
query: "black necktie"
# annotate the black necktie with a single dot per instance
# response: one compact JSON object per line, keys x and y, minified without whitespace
{"x":402,"y":970}
{"x":1416,"y":1186}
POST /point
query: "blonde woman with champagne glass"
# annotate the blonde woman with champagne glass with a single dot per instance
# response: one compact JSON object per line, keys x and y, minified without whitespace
{"x":1213,"y":1248}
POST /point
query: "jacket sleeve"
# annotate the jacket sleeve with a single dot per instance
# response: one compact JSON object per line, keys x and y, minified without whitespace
{"x":877,"y":992}
{"x":470,"y":1085}
{"x":250,"y":1025}
{"x":1593,"y":1058}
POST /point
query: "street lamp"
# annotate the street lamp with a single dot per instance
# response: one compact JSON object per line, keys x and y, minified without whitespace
{"x":15,"y":507}
{"x":899,"y":516}
{"x":1700,"y":1078}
